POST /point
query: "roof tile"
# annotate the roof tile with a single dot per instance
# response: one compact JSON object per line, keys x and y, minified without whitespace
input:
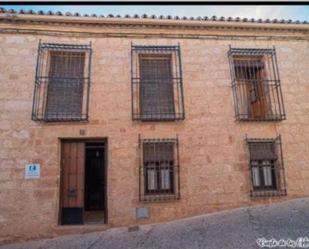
{"x":145,"y":16}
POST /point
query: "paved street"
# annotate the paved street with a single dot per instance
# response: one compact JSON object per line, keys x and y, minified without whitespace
{"x":237,"y":229}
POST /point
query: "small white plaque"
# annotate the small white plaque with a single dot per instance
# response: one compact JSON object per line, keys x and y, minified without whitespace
{"x":32,"y":171}
{"x":142,"y":212}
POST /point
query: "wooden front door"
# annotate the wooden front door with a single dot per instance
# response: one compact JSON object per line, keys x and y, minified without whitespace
{"x":72,"y":182}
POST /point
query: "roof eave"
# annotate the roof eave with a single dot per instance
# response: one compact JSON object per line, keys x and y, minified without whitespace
{"x":145,"y":21}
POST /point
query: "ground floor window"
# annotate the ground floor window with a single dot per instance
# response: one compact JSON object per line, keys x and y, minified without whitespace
{"x":266,"y":167}
{"x":159,"y":169}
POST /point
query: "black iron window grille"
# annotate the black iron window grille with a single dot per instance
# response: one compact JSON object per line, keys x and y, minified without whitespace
{"x":256,"y":84}
{"x":266,"y":167}
{"x":159,"y":169}
{"x":62,"y":81}
{"x":157,"y":91}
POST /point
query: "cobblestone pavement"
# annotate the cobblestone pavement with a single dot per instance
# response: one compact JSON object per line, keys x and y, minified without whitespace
{"x":235,"y":229}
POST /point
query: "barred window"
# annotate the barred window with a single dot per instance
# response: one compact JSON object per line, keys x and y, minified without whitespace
{"x":62,"y":81}
{"x":159,"y":170}
{"x":256,"y":84}
{"x":157,"y":93}
{"x":266,"y":167}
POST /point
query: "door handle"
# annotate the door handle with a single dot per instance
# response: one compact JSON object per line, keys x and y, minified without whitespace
{"x":72,"y":192}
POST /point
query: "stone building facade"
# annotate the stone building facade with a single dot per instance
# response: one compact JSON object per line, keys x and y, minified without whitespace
{"x":205,"y":146}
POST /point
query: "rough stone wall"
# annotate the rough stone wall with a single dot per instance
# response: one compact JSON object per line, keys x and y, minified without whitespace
{"x":213,"y":155}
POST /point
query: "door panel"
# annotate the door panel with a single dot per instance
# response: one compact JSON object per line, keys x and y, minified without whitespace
{"x":72,"y":182}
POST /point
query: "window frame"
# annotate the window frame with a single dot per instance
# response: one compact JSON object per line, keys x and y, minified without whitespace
{"x":176,"y":112}
{"x":159,"y":193}
{"x":270,"y":106}
{"x":260,"y":166}
{"x":43,"y":79}
{"x":278,"y":187}
{"x":169,"y":87}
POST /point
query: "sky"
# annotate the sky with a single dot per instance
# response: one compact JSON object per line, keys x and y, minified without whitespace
{"x":294,"y":12}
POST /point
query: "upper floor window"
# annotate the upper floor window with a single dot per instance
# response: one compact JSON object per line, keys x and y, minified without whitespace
{"x":62,"y":82}
{"x":256,"y":84}
{"x":159,"y":170}
{"x":266,"y":167}
{"x":157,"y":92}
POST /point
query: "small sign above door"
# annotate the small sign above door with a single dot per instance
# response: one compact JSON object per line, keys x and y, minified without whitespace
{"x":32,"y":171}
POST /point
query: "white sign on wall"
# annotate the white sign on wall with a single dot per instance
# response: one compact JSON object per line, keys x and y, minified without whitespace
{"x":32,"y":171}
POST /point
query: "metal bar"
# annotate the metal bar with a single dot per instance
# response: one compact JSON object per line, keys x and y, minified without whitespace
{"x":282,"y":165}
{"x":89,"y":80}
{"x":72,"y":58}
{"x":140,"y":167}
{"x":281,"y":103}
{"x":181,"y":83}
{"x":159,"y":171}
{"x":272,"y":186}
{"x":132,"y":84}
{"x":177,"y":165}
{"x":269,"y":86}
{"x":175,"y":82}
{"x":255,"y":140}
{"x":156,"y":83}
{"x":233,"y":85}
{"x":249,"y":51}
{"x":249,"y":82}
{"x":60,"y":46}
{"x":146,"y":47}
{"x":34,"y":116}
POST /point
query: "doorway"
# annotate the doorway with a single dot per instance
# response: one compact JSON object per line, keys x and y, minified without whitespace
{"x":83,"y":197}
{"x":94,"y":182}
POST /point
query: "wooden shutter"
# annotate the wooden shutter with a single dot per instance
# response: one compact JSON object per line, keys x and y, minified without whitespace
{"x":262,"y":151}
{"x":259,"y":106}
{"x":65,"y":86}
{"x":156,"y":89}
